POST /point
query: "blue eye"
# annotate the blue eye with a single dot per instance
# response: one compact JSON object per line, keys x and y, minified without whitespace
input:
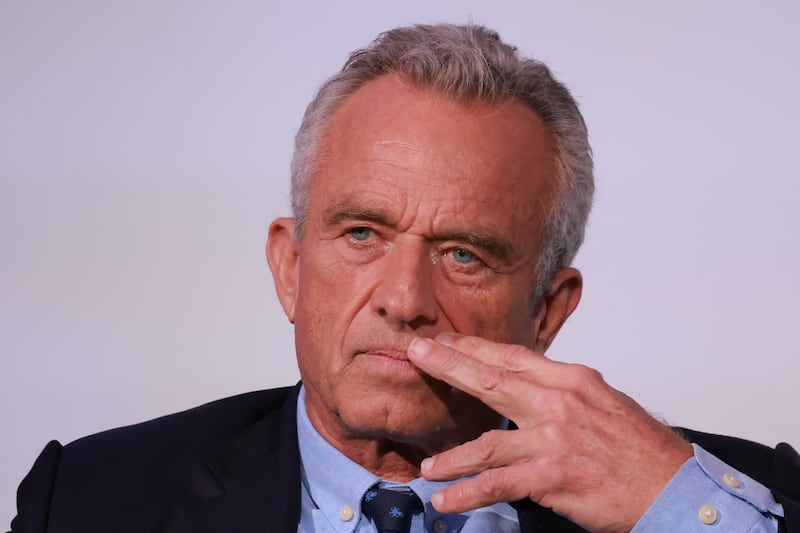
{"x":462,"y":255}
{"x":361,"y":233}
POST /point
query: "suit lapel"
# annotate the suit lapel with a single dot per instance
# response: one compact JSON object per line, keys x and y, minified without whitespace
{"x":250,"y":484}
{"x":253,"y":484}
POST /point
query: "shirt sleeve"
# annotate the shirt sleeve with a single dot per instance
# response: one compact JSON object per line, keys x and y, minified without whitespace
{"x":708,"y":496}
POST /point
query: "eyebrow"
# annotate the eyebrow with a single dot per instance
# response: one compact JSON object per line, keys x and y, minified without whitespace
{"x":339,"y":213}
{"x":497,"y":247}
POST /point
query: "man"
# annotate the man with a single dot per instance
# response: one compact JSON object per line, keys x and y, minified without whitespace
{"x":440,"y":186}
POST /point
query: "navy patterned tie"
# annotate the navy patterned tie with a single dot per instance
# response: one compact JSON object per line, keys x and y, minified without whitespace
{"x":391,"y":509}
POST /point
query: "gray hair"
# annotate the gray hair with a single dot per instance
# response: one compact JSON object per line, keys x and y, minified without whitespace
{"x":468,"y":63}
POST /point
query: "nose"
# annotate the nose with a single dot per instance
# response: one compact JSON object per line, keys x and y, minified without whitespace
{"x":404,"y":293}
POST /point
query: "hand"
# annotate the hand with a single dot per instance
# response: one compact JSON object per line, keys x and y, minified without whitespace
{"x":583,"y":449}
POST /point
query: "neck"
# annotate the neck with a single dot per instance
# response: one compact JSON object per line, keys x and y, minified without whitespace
{"x":391,"y":456}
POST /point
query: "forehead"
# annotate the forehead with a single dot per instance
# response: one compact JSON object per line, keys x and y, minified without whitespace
{"x":418,"y":151}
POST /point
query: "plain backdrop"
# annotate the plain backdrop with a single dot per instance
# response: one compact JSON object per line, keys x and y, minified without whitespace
{"x":145,"y":146}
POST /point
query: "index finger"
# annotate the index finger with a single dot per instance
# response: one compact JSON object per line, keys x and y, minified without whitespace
{"x":512,"y":357}
{"x":497,"y":387}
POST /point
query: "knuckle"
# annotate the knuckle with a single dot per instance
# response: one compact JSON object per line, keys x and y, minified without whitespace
{"x":513,"y":356}
{"x":492,"y":484}
{"x":451,"y":361}
{"x":492,"y":376}
{"x":586,"y":376}
{"x":564,"y":403}
{"x":552,"y":432}
{"x":466,"y":344}
{"x":486,"y":446}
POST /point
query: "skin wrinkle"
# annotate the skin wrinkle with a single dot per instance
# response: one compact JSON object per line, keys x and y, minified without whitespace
{"x":497,"y":253}
{"x":413,"y":171}
{"x":433,"y":169}
{"x":423,"y":181}
{"x":390,"y":168}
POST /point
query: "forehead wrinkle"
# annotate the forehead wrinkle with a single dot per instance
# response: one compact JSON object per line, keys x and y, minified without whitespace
{"x":350,"y":209}
{"x":458,"y":219}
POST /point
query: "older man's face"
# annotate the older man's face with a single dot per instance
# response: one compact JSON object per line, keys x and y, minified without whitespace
{"x":425,"y":217}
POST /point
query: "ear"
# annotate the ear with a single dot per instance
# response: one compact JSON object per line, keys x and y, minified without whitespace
{"x":558,"y":302}
{"x":282,"y":256}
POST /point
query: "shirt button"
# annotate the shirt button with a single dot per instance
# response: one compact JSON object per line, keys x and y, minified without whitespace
{"x":346,"y":513}
{"x":707,"y":515}
{"x":440,"y":526}
{"x":730,"y":481}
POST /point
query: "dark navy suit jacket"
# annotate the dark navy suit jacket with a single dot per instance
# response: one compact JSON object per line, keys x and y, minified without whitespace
{"x":233,"y":466}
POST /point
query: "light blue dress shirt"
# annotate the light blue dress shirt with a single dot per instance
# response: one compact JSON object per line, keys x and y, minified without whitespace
{"x":708,"y":496}
{"x":333,"y":485}
{"x":704,"y":496}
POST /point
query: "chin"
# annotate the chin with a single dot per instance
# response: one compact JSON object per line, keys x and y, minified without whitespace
{"x":427,"y":434}
{"x":428,"y":423}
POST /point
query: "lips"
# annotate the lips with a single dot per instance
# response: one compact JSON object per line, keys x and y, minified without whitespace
{"x":393,"y":359}
{"x":399,"y":355}
{"x":393,"y":362}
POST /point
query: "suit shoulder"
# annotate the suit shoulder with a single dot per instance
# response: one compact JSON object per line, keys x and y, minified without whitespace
{"x":128,"y":474}
{"x":155,"y":457}
{"x":195,"y":429}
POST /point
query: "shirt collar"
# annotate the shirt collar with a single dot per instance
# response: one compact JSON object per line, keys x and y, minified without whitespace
{"x":338,"y":481}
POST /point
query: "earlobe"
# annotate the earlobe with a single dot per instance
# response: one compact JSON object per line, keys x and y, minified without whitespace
{"x":559,"y":302}
{"x":282,"y":256}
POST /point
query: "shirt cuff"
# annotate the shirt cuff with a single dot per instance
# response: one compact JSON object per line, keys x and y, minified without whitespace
{"x":708,"y":496}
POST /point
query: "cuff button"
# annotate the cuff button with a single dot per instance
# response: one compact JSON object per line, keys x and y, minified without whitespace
{"x":730,"y":481}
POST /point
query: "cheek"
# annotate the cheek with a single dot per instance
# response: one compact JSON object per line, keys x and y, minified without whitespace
{"x":328,"y":270}
{"x":500,"y":314}
{"x":520,"y":323}
{"x":330,"y":294}
{"x":324,"y":279}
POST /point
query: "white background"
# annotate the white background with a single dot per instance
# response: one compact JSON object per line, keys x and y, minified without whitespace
{"x":144,"y":149}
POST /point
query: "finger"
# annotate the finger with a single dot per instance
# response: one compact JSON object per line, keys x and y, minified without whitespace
{"x":506,"y":484}
{"x":512,"y":357}
{"x":497,"y":387}
{"x":525,"y":362}
{"x":493,"y":449}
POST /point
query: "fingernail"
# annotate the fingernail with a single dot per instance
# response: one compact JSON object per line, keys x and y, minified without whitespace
{"x":447,"y":338}
{"x":419,"y":346}
{"x":437,"y":500}
{"x":426,"y":465}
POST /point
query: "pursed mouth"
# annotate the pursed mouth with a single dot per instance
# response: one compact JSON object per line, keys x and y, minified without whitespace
{"x":392,"y":360}
{"x":399,"y":355}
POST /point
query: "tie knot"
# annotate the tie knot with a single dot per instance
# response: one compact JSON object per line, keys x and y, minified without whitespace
{"x":391,"y":509}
